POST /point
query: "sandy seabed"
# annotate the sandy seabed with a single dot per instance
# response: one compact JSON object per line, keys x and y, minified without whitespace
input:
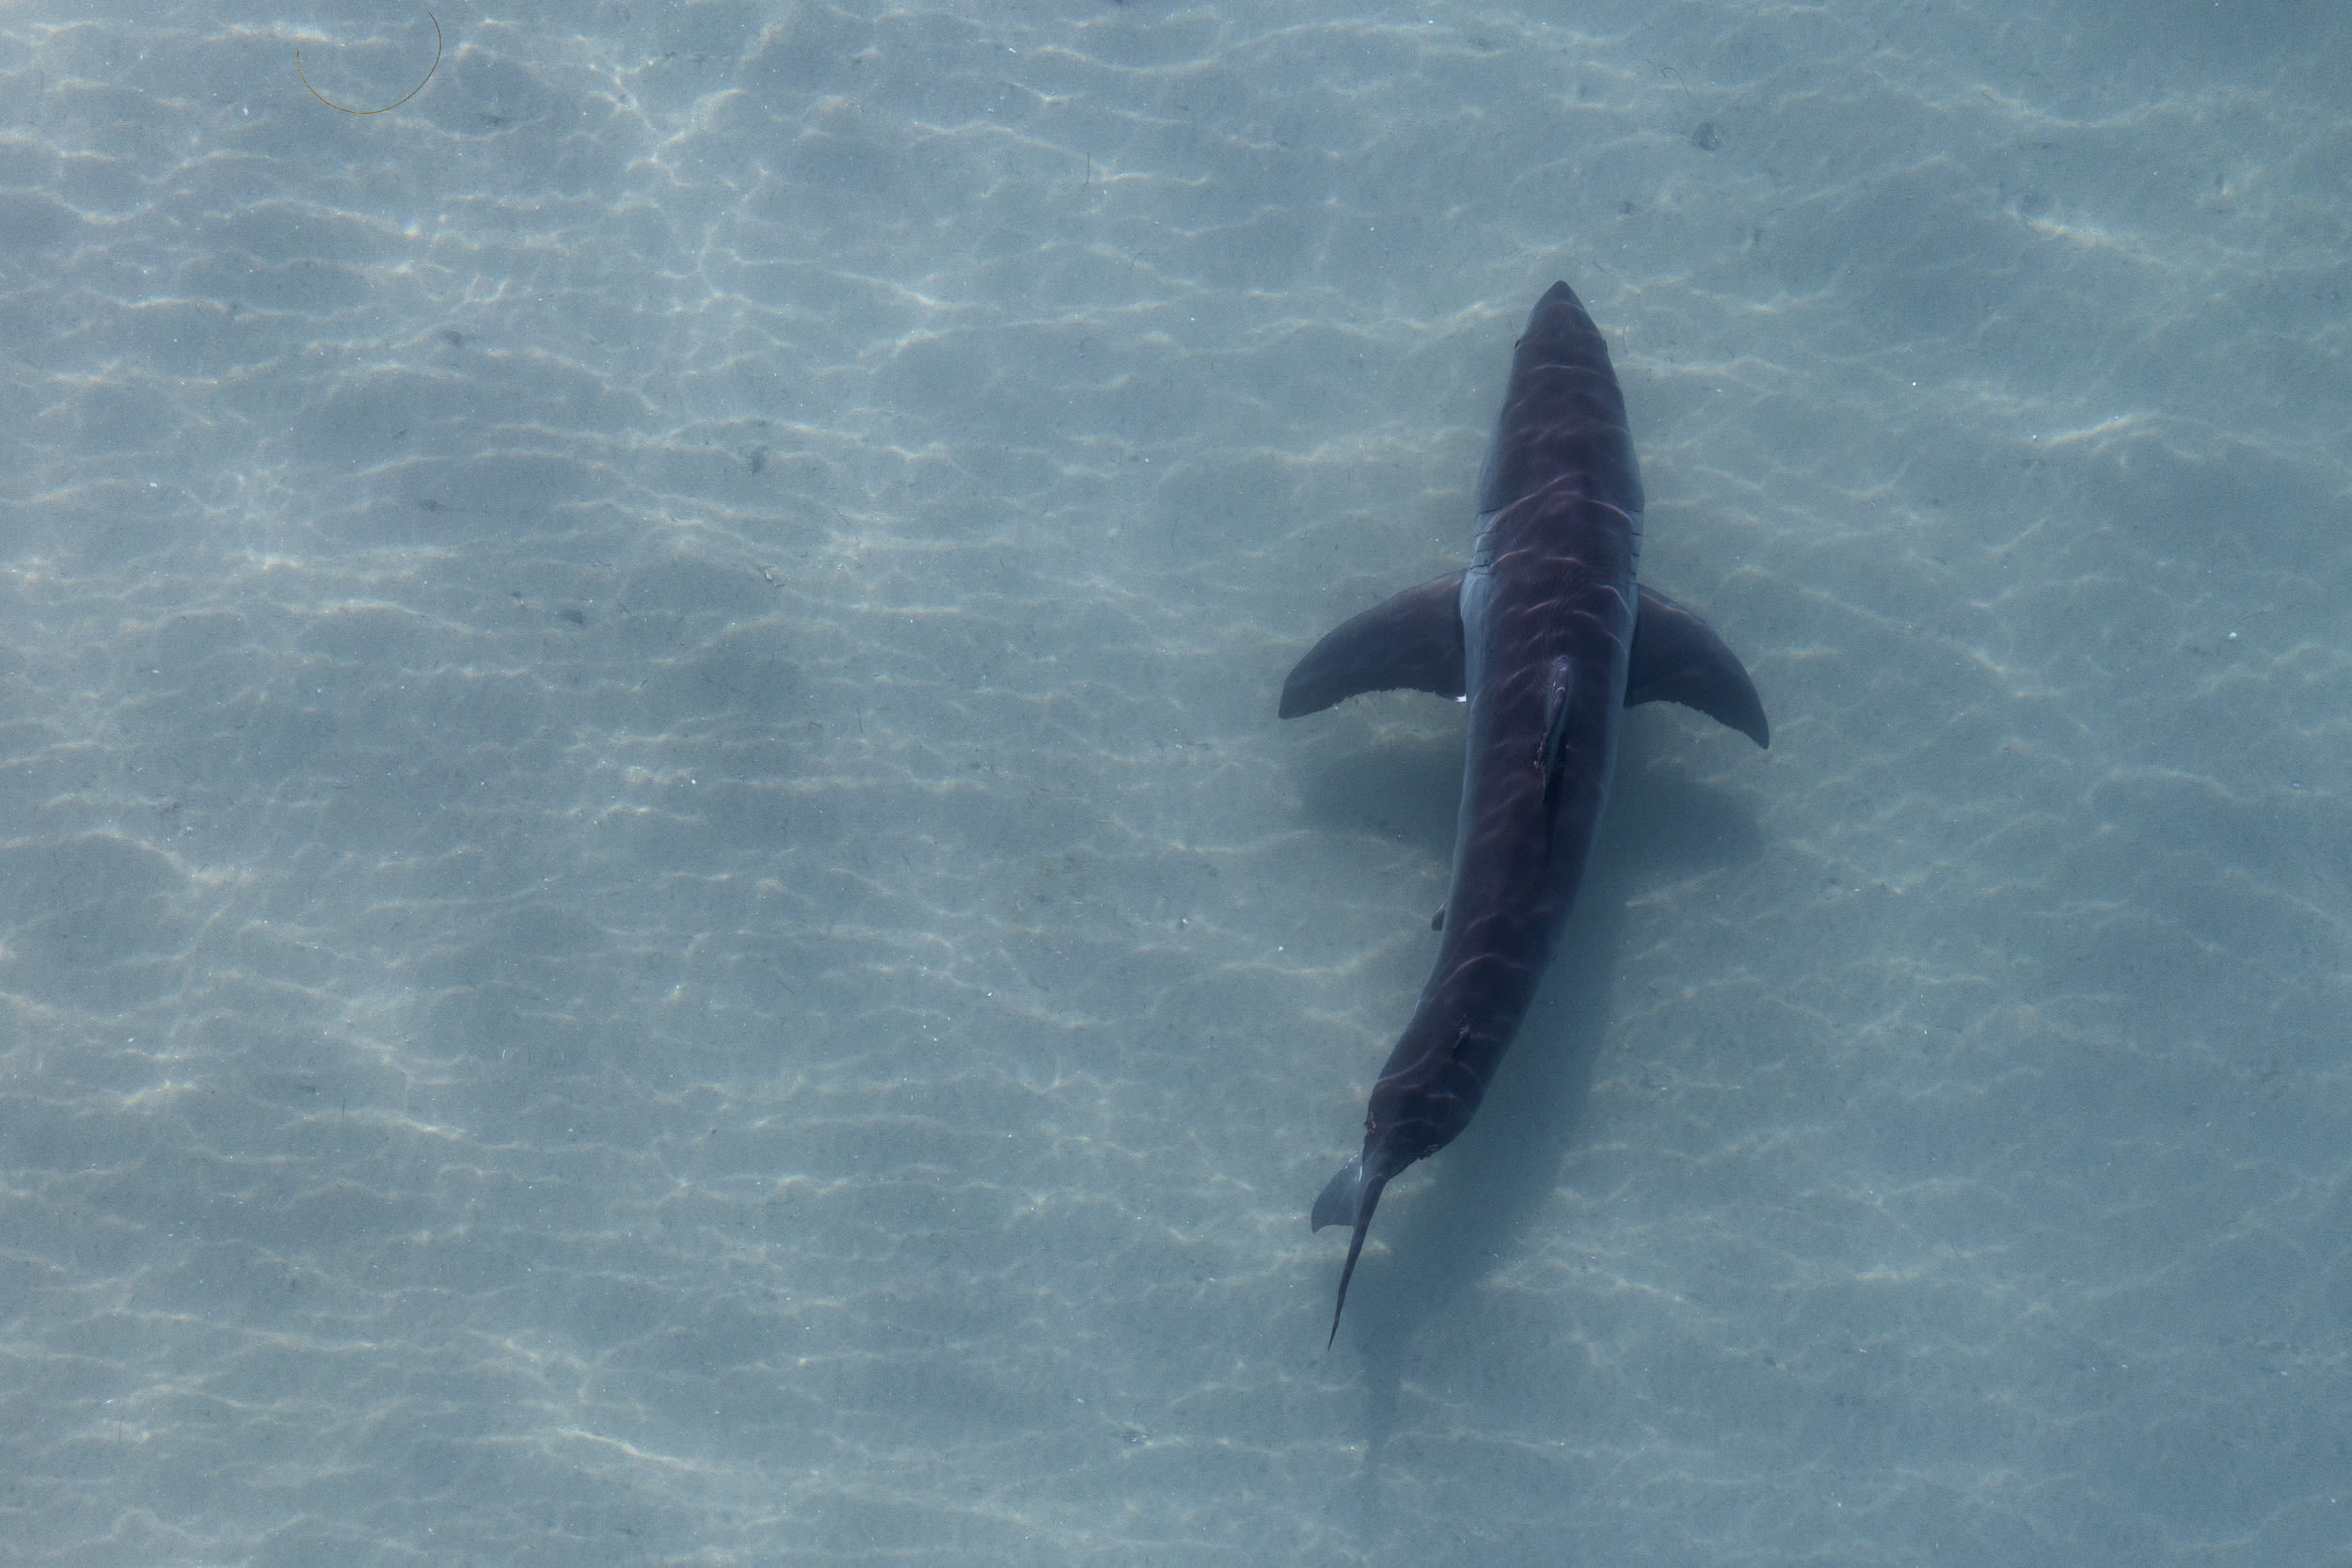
{"x":652,"y":912}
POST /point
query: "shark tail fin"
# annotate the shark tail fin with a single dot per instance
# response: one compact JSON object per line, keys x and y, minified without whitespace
{"x":1347,"y":1198}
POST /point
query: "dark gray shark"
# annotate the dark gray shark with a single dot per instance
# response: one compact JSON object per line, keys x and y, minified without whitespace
{"x":1550,"y":639}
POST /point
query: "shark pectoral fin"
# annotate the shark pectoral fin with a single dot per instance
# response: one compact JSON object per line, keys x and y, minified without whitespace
{"x":1677,"y":657}
{"x":1348,"y":1198}
{"x":1411,"y":642}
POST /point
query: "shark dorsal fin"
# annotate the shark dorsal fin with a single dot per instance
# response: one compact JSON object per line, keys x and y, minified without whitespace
{"x":1558,"y":700}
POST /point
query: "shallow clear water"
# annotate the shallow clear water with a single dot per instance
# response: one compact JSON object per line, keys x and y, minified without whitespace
{"x":651,"y":908}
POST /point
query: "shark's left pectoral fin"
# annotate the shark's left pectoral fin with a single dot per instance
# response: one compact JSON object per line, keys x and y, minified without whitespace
{"x":1677,"y":659}
{"x":1412,"y":643}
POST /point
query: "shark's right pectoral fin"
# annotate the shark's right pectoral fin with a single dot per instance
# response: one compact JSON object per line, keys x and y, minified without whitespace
{"x":1678,"y":658}
{"x":1412,"y":643}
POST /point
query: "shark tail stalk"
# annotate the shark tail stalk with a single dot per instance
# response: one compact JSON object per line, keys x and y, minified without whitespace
{"x":1347,"y":1198}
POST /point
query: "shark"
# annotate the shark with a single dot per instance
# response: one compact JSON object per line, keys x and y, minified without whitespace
{"x":1548,"y":635}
